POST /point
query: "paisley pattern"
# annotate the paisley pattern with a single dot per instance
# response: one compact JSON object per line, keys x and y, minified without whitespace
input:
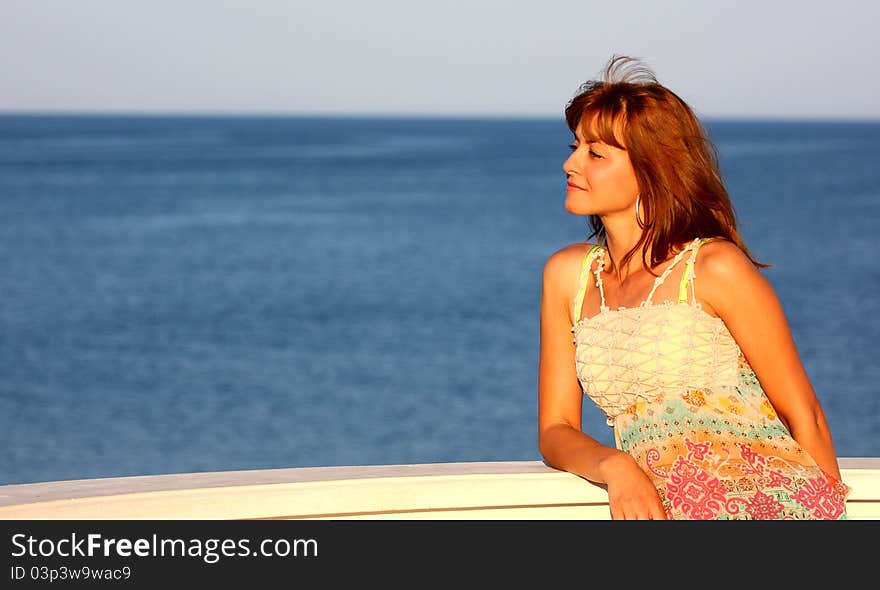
{"x":693,"y":413}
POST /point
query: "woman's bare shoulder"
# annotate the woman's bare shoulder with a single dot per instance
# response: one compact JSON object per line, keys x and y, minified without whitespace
{"x":563,"y":267}
{"x":721,"y":258}
{"x":563,"y":261}
{"x":723,"y":270}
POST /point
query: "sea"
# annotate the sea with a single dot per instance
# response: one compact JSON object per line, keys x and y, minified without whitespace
{"x":190,"y":293}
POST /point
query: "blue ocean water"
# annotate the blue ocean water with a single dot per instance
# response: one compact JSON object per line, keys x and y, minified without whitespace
{"x":189,"y":294}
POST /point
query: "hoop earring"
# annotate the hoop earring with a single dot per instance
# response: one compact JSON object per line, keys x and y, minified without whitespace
{"x":638,"y":218}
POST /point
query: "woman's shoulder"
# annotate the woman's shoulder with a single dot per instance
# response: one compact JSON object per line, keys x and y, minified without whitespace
{"x":566,"y":263}
{"x":721,"y":256}
{"x":721,"y":269}
{"x":572,"y":255}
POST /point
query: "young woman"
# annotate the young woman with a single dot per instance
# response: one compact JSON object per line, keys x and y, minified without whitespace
{"x":714,"y":416}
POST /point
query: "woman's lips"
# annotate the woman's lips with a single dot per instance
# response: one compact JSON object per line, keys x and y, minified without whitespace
{"x":574,"y":187}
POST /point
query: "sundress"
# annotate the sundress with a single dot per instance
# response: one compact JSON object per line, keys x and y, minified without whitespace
{"x":684,"y":402}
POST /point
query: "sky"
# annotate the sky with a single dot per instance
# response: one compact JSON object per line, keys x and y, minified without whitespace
{"x":798,"y":59}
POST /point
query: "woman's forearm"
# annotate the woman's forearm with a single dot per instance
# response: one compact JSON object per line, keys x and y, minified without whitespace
{"x":814,"y":437}
{"x":569,"y":449}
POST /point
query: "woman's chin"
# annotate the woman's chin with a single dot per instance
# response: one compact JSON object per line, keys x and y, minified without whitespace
{"x":576,"y":209}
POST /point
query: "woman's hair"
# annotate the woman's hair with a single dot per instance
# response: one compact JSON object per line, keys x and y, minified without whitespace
{"x":675,"y":162}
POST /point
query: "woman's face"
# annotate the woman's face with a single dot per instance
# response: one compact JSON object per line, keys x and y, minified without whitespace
{"x":601,"y":179}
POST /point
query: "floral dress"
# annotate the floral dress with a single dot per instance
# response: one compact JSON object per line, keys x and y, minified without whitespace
{"x":685,"y":403}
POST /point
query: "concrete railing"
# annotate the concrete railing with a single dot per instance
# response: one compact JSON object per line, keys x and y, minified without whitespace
{"x":514,"y":490}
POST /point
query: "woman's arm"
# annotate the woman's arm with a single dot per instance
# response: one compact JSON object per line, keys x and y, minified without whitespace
{"x":747,"y":303}
{"x":561,"y":441}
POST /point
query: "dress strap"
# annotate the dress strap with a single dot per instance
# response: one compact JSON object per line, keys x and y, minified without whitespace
{"x":582,"y":283}
{"x":659,"y":280}
{"x":690,"y":275}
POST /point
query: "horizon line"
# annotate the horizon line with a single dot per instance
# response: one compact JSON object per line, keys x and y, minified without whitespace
{"x":395,"y":115}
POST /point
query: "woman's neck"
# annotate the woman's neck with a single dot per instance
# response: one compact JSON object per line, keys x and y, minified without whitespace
{"x":616,"y":247}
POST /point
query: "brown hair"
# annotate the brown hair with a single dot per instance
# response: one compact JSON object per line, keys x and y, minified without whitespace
{"x":675,"y":162}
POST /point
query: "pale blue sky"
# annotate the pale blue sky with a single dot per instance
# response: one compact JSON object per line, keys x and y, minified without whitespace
{"x":744,"y":58}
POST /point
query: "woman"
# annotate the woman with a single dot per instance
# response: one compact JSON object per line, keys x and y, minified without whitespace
{"x":714,"y":416}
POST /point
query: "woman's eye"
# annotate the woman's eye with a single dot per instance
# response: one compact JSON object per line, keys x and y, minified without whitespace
{"x":573,"y":147}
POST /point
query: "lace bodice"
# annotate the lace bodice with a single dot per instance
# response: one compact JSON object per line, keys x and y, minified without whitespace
{"x":633,"y":353}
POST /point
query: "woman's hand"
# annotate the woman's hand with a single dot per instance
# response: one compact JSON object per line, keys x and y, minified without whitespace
{"x":631,"y":494}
